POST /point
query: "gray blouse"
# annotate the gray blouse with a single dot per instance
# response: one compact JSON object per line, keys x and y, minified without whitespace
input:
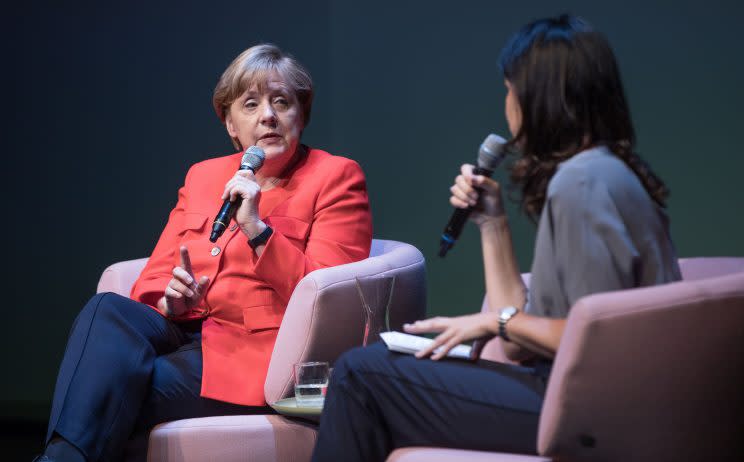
{"x":599,"y":231}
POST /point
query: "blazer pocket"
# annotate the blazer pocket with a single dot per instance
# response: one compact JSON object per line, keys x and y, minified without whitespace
{"x":291,"y":227}
{"x":261,"y":318}
{"x":193,"y":220}
{"x":193,"y":224}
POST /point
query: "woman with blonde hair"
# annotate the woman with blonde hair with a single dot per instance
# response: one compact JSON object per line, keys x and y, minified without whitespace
{"x":196,"y":336}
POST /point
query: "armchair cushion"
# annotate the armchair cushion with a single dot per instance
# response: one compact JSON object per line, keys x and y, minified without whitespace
{"x":425,"y":454}
{"x":242,"y":438}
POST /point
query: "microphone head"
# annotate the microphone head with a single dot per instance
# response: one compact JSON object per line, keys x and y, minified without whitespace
{"x":253,"y":159}
{"x":491,"y":152}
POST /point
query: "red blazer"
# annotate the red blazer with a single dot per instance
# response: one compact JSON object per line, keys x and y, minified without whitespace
{"x":320,"y":218}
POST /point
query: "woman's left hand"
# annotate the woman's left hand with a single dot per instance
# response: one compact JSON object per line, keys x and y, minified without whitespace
{"x":244,"y":186}
{"x":453,"y":331}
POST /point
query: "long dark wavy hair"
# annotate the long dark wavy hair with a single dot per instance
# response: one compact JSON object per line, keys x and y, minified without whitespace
{"x":571,"y":97}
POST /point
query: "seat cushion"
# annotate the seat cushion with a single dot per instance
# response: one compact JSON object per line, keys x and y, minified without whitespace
{"x":422,"y":454}
{"x":243,"y":438}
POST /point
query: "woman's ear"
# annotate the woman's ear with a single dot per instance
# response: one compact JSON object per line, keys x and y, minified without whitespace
{"x":230,"y":126}
{"x":232,"y":132}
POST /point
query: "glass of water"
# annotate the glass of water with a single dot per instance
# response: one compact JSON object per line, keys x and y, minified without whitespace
{"x":311,"y":383}
{"x":376,"y":294}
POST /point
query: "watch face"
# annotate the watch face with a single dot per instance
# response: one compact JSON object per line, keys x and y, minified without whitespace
{"x":508,"y":312}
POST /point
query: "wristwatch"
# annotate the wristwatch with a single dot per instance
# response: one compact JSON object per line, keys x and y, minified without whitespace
{"x":261,"y":238}
{"x":505,"y":315}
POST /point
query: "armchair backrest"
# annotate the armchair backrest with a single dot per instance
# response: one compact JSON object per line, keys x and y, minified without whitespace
{"x":653,"y":373}
{"x":708,"y":267}
{"x":325,"y":316}
{"x":692,"y":268}
{"x":120,"y":277}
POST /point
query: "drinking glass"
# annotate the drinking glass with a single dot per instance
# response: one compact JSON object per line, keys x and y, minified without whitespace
{"x":311,"y":383}
{"x":376,"y":294}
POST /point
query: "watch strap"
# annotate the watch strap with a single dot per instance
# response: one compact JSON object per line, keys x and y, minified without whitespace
{"x":261,"y":238}
{"x":502,"y":330}
{"x":504,"y":316}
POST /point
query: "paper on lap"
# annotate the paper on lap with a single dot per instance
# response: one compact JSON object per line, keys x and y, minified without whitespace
{"x":407,"y":343}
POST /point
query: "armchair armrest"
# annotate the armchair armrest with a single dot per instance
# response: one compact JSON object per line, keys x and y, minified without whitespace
{"x":119,"y":277}
{"x":325,"y":316}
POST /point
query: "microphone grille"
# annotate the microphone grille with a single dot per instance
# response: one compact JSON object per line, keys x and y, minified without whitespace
{"x":253,"y":158}
{"x":491,"y":152}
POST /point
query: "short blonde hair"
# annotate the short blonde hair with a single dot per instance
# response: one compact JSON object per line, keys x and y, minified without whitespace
{"x":253,"y":66}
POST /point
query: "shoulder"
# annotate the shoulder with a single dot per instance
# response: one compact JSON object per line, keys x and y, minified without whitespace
{"x":206,"y":173}
{"x":591,"y":171}
{"x":317,"y":158}
{"x":324,"y":166}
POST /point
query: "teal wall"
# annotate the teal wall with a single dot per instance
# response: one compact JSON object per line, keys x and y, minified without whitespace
{"x":110,"y":105}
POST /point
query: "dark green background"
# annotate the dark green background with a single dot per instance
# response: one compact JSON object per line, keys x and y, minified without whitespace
{"x":109,"y":105}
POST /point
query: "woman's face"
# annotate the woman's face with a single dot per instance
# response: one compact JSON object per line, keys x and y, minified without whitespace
{"x":512,"y":111}
{"x":270,"y":118}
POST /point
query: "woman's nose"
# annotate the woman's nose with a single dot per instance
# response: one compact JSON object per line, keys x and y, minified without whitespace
{"x":268,"y":116}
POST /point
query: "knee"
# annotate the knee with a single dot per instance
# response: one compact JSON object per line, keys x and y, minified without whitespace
{"x":105,"y":304}
{"x":360,"y":360}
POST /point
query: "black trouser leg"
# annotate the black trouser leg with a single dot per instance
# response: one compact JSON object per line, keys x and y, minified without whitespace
{"x":105,"y":372}
{"x":174,"y":394}
{"x":379,"y":400}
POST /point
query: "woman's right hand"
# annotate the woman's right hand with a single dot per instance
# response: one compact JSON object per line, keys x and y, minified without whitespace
{"x":481,"y":193}
{"x":182,"y":292}
{"x":453,"y":331}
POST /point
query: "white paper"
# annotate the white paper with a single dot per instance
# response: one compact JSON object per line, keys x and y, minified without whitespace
{"x":407,"y":343}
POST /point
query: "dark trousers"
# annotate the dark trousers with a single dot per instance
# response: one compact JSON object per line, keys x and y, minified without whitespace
{"x":380,"y":400}
{"x":126,"y":369}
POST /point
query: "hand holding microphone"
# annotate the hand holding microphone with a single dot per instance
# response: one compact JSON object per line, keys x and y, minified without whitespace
{"x":474,"y":190}
{"x":478,"y":193}
{"x":241,"y":194}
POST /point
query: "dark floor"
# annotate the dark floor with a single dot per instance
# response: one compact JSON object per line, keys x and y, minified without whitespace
{"x":21,"y":440}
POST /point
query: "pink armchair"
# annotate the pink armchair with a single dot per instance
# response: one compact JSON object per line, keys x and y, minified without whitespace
{"x":642,"y":375}
{"x":324,"y":318}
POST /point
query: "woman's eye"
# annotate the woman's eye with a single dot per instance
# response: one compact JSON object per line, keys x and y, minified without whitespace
{"x":250,"y":103}
{"x":281,"y":102}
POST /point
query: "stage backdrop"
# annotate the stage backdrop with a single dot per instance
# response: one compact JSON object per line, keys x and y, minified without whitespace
{"x":110,"y":105}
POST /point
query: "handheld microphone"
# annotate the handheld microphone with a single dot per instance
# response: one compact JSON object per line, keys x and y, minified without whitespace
{"x":490,"y":155}
{"x":252,"y":160}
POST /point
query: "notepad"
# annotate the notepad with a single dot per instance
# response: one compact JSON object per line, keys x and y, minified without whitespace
{"x":407,"y":343}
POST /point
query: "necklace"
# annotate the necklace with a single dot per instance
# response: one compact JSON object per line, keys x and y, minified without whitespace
{"x":270,"y":184}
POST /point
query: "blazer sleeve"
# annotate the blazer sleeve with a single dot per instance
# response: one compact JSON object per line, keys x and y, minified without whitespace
{"x":341,"y":232}
{"x":150,"y":285}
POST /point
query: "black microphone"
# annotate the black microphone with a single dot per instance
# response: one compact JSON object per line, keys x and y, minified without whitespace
{"x":490,"y":155}
{"x":252,"y":160}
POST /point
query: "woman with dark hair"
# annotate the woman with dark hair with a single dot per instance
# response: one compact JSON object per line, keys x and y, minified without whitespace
{"x":601,"y":227}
